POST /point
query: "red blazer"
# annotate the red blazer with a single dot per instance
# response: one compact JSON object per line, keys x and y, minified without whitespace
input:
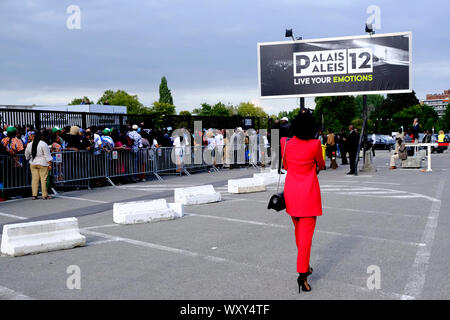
{"x":301,"y":189}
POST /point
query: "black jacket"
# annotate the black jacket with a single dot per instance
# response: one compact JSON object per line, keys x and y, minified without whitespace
{"x":352,"y":142}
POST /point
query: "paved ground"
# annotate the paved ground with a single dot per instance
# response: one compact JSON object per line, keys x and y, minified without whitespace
{"x":236,"y":249}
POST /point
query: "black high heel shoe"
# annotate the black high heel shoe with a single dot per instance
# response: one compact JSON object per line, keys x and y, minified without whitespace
{"x":303,"y":282}
{"x":310,"y":271}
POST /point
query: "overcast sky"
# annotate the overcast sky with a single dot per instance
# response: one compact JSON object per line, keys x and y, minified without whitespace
{"x":206,"y":49}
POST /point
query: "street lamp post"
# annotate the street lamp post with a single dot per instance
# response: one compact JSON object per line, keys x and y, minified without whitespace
{"x":290,"y":34}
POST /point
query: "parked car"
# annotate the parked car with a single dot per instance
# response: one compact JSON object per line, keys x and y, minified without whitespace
{"x":383,"y":142}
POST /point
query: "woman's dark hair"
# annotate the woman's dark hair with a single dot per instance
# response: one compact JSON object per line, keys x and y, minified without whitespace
{"x":115,"y":135}
{"x":36,"y":140}
{"x":304,"y":126}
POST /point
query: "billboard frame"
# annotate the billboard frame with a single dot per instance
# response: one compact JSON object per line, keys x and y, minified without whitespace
{"x":409,"y":90}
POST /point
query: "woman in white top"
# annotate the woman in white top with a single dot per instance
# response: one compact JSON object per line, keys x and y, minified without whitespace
{"x":38,"y":153}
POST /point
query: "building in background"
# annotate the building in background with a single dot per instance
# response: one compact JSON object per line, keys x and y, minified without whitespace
{"x":439,"y":101}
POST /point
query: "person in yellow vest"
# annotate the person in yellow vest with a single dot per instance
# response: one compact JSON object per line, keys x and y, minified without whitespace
{"x":441,"y":138}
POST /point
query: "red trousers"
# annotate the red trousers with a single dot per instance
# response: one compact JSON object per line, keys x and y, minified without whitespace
{"x":304,"y":231}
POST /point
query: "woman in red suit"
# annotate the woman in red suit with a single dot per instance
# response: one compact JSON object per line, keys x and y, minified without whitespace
{"x":303,"y":160}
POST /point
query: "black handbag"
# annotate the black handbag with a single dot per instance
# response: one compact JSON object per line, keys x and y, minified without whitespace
{"x":277,"y":201}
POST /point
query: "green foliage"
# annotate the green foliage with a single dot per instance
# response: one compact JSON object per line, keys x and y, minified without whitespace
{"x":374,"y":101}
{"x":444,"y":122}
{"x":428,"y":117}
{"x":122,"y":98}
{"x":290,"y":115}
{"x":185,"y":113}
{"x":165,"y":96}
{"x":79,"y":100}
{"x":159,"y":110}
{"x":357,"y":123}
{"x":218,"y":110}
{"x":248,"y":109}
{"x":393,"y":104}
{"x":337,"y":112}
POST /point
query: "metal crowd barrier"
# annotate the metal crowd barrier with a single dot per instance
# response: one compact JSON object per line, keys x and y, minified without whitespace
{"x":82,"y":166}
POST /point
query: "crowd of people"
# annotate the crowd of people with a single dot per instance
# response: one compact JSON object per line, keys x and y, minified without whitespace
{"x":15,"y":140}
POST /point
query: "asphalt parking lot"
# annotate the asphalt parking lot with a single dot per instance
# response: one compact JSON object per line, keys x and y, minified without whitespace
{"x":396,"y":220}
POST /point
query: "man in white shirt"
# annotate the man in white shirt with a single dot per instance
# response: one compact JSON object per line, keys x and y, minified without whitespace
{"x":219,"y":146}
{"x":374,"y":139}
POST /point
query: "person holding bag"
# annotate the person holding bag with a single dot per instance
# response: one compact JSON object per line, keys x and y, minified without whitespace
{"x":303,"y":160}
{"x":38,"y":154}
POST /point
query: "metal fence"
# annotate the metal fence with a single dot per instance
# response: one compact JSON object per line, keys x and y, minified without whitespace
{"x":42,"y":119}
{"x":80,"y":167}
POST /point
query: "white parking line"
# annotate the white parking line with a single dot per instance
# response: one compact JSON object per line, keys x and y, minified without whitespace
{"x":12,"y":216}
{"x":375,"y":212}
{"x":8,"y":294}
{"x":418,"y":270}
{"x":229,"y":261}
{"x":81,"y":199}
{"x":317,"y":230}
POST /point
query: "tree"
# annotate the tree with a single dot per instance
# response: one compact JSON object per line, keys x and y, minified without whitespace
{"x":217,"y":110}
{"x":159,"y":110}
{"x":165,"y":96}
{"x":248,"y":109}
{"x":122,"y":98}
{"x":444,"y":122}
{"x":392,"y":104}
{"x":77,"y":101}
{"x":427,"y":116}
{"x":337,"y":112}
{"x":185,"y":113}
{"x":374,"y":101}
{"x":290,"y":115}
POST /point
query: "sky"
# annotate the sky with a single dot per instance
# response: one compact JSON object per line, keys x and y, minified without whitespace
{"x":207,"y":50}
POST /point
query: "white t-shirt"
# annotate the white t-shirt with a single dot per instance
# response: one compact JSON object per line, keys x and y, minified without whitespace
{"x":43,"y":155}
{"x":219,"y":140}
{"x":211,"y":143}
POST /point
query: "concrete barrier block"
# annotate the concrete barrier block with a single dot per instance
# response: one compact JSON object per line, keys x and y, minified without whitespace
{"x":178,"y":209}
{"x":145,"y":211}
{"x":196,"y":195}
{"x":270,"y":177}
{"x":20,"y":239}
{"x":246,"y":185}
{"x":412,"y":162}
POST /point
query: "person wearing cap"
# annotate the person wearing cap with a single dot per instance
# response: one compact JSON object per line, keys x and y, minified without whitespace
{"x":107,"y":141}
{"x":12,"y":144}
{"x":137,"y":143}
{"x":73,"y":139}
{"x":58,"y":132}
{"x":136,"y":137}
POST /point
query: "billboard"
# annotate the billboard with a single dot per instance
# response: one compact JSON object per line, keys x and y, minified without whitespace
{"x":368,"y":64}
